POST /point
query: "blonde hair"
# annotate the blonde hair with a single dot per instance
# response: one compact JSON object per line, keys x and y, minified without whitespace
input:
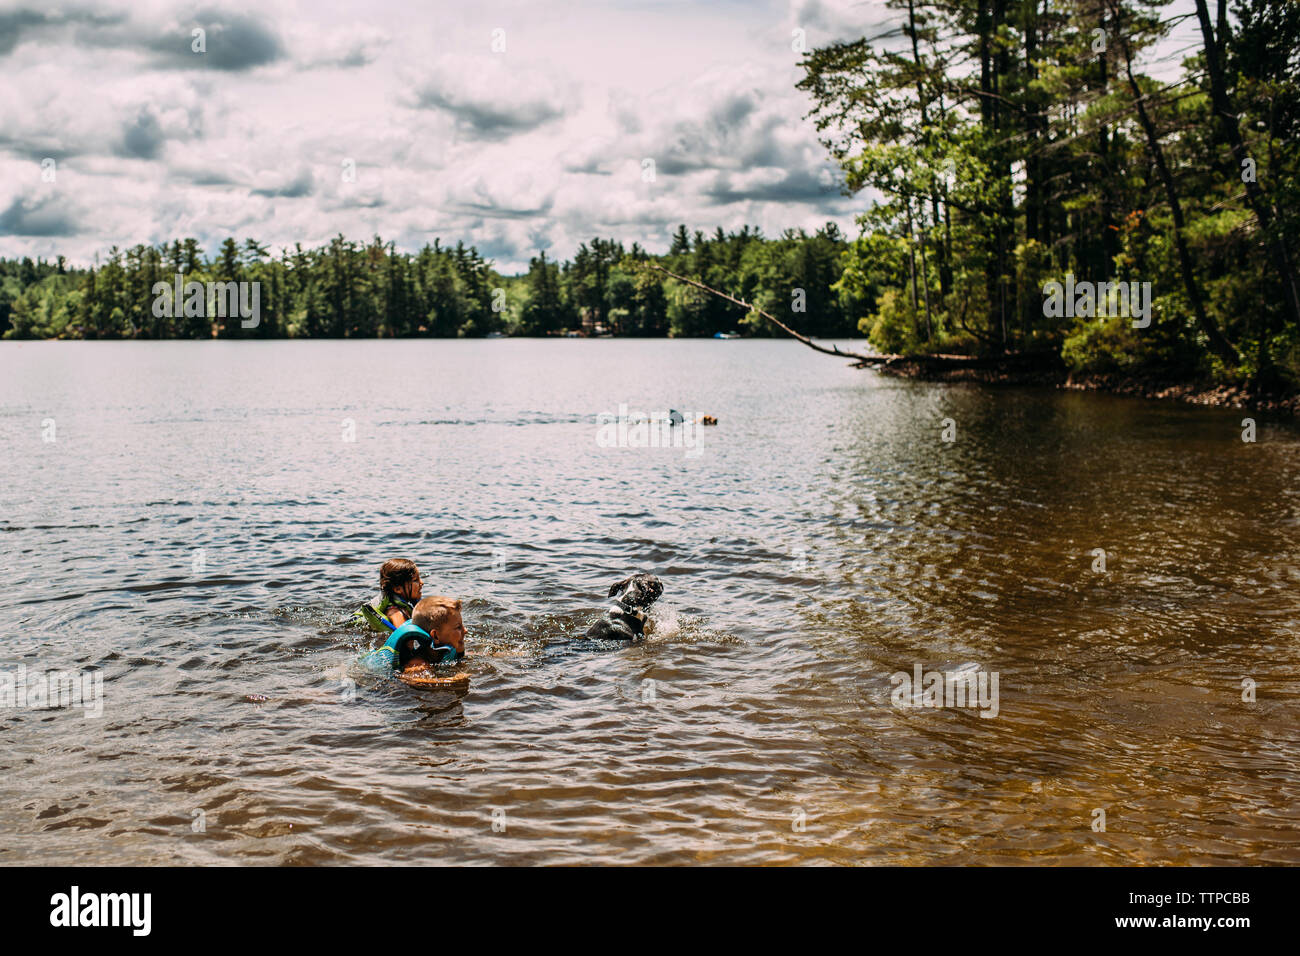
{"x":433,"y":612}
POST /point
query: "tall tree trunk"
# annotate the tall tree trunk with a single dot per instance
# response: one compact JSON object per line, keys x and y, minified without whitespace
{"x":911,"y":262}
{"x":925,"y":132}
{"x":1227,"y":118}
{"x":945,"y":260}
{"x":925,"y":278}
{"x":1035,"y":129}
{"x":1218,"y":343}
{"x":1032,"y":160}
{"x":1109,"y":237}
{"x":988,"y":15}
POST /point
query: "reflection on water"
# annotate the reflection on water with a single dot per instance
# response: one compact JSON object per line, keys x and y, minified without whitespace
{"x":200,"y":529}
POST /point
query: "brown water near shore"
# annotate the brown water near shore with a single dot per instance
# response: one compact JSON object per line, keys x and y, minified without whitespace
{"x":823,"y":538}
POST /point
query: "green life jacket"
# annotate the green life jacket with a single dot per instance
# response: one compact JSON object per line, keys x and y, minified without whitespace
{"x":374,"y":616}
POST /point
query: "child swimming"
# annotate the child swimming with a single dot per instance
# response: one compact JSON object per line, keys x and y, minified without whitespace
{"x":435,"y":634}
{"x":400,"y":587}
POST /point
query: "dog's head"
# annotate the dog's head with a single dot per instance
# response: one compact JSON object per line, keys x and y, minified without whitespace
{"x":639,"y":590}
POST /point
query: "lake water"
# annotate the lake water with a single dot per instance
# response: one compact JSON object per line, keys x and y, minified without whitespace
{"x":190,"y":520}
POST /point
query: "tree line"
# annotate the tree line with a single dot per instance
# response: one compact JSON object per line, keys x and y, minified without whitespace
{"x":347,"y":290}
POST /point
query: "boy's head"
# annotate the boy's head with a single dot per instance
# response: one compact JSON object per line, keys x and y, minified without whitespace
{"x":440,"y":616}
{"x":401,"y":578}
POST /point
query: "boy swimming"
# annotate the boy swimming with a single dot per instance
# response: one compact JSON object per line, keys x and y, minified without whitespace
{"x":435,"y":634}
{"x":400,"y":587}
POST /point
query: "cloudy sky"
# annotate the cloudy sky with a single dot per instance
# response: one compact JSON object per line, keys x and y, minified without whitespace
{"x":540,"y":145}
{"x":516,"y":126}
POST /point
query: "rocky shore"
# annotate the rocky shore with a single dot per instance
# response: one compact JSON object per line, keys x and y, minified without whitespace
{"x":1048,"y":371}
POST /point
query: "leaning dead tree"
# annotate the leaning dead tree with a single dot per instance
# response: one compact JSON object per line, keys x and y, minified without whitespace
{"x":863,"y":359}
{"x":933,"y":363}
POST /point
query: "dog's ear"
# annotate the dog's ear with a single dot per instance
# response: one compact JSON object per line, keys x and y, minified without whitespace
{"x":619,"y":586}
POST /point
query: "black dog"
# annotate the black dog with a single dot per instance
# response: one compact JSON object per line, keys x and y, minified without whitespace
{"x":624,"y":620}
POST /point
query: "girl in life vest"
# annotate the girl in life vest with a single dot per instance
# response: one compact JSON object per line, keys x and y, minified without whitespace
{"x":400,"y":587}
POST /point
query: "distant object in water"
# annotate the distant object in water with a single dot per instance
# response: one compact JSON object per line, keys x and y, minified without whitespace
{"x":495,"y":335}
{"x":726,"y":335}
{"x":676,"y":418}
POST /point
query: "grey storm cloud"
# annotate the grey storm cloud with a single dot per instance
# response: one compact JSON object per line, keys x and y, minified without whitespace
{"x":682,"y":161}
{"x":143,"y":138}
{"x":734,"y":109}
{"x":206,"y":177}
{"x":37,"y":148}
{"x":691,"y":153}
{"x":489,"y":211}
{"x":17,"y":24}
{"x":592,"y":166}
{"x":800,"y":185}
{"x":132,"y":133}
{"x":489,"y":100}
{"x":732,"y":134}
{"x":38,"y":218}
{"x":499,"y":249}
{"x":233,"y":42}
{"x":31,"y":23}
{"x":483,"y":117}
{"x":302,"y":184}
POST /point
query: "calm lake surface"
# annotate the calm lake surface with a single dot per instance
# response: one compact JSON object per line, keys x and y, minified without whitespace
{"x":199,"y":530}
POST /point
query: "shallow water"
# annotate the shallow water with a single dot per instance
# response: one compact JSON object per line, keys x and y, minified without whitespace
{"x":821,"y":538}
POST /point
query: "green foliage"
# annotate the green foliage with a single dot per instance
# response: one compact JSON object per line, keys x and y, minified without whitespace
{"x":1102,"y":345}
{"x":1005,"y":149}
{"x":892,"y":328}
